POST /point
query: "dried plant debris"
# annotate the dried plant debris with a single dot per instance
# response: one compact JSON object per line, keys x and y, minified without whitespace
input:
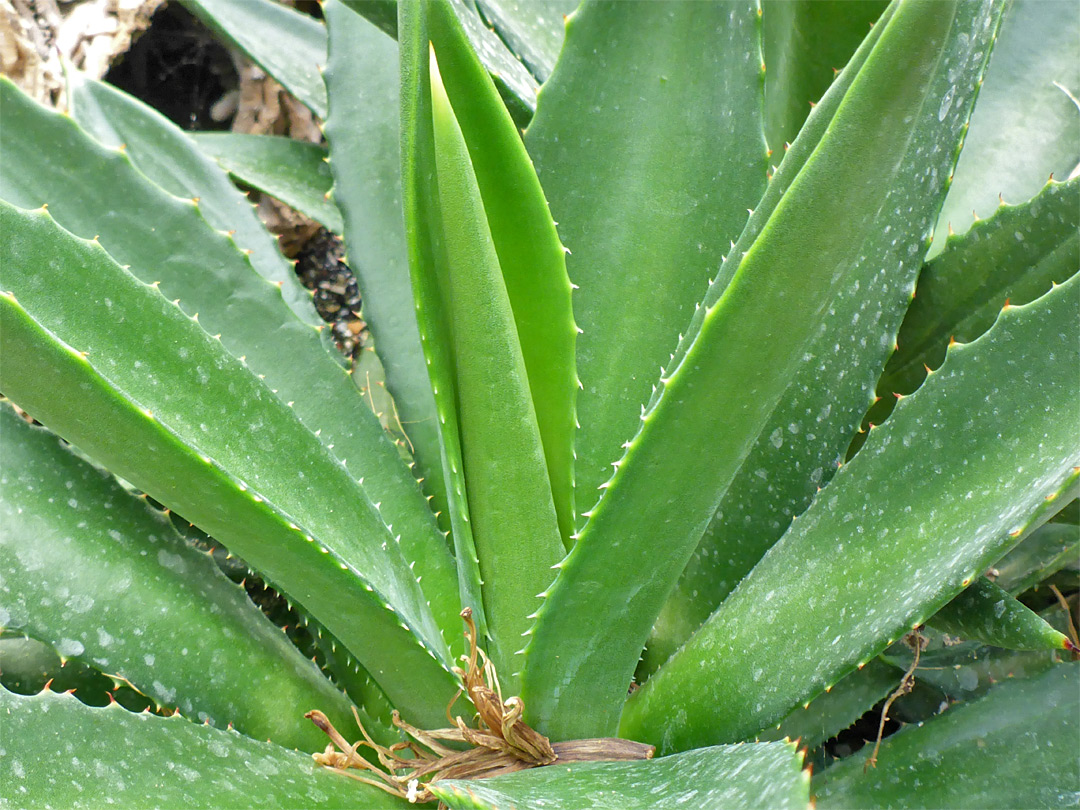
{"x":37,"y":35}
{"x":500,"y":743}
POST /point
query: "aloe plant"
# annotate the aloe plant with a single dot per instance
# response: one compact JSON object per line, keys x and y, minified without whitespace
{"x":692,"y":425}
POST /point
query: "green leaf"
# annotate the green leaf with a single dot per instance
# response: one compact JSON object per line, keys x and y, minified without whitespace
{"x":117,"y":369}
{"x":288,"y":45}
{"x":716,"y":408}
{"x":105,"y":579}
{"x":730,"y":776}
{"x":1014,"y":256}
{"x":531,"y":258}
{"x":962,"y":670}
{"x":362,"y":74}
{"x":291,"y":171}
{"x":511,"y":510}
{"x":800,"y":444}
{"x":804,"y":41}
{"x":838,"y":708}
{"x":938,"y":493}
{"x":1025,"y":126}
{"x":140,"y":760}
{"x":1016,"y":747}
{"x":50,"y":161}
{"x":513,"y":79}
{"x":161,"y":150}
{"x":420,"y":200}
{"x":532,"y":29}
{"x":648,"y":144}
{"x":1044,"y":552}
{"x":984,"y":612}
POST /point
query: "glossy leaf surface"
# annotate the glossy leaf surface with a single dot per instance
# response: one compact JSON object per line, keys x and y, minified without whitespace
{"x":986,"y":613}
{"x":94,"y":571}
{"x":140,"y":760}
{"x":732,"y":777}
{"x":51,"y":162}
{"x":715,"y":408}
{"x":362,"y":129}
{"x":938,"y":493}
{"x":1025,"y":127}
{"x":648,"y":143}
{"x":142,"y":389}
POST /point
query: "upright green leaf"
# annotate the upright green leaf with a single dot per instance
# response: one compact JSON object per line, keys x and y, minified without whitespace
{"x":531,"y":258}
{"x":420,"y":200}
{"x":161,"y":151}
{"x":804,"y":41}
{"x":938,"y":493}
{"x":532,"y":29}
{"x":288,"y":45}
{"x":50,"y":161}
{"x":716,"y":406}
{"x":732,"y":777}
{"x":648,"y":143}
{"x":984,"y":612}
{"x":105,"y":579}
{"x":292,"y":171}
{"x":141,"y":760}
{"x":362,"y":128}
{"x":510,"y":502}
{"x":1025,"y":127}
{"x":136,"y":384}
{"x":1016,"y":747}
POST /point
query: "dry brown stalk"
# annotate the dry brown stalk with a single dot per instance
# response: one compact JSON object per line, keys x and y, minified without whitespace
{"x":500,"y":743}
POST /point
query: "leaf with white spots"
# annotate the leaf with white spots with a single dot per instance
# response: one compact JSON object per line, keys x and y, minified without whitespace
{"x":795,"y":339}
{"x":58,"y":752}
{"x":733,"y":777}
{"x":125,"y":375}
{"x":980,"y":453}
{"x":93,"y":570}
{"x":50,"y":161}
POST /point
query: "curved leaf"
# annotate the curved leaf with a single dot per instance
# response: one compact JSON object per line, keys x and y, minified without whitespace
{"x":291,"y":171}
{"x":288,"y":45}
{"x":716,"y":408}
{"x":732,"y":777}
{"x":140,"y":760}
{"x":120,"y":371}
{"x":50,"y":161}
{"x":1016,"y":747}
{"x":1044,"y":552}
{"x":1025,"y":126}
{"x":938,"y":493}
{"x":648,"y":143}
{"x":161,"y":151}
{"x":986,"y":613}
{"x":98,"y":574}
{"x":1015,"y":256}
